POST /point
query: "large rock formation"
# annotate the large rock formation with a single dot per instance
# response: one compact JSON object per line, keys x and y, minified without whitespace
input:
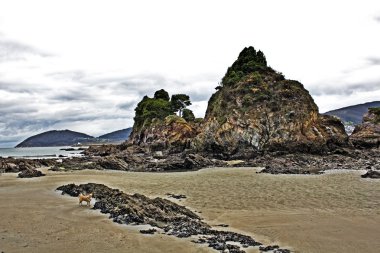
{"x":173,"y":133}
{"x":158,"y":128}
{"x":257,"y":109}
{"x":367,"y":134}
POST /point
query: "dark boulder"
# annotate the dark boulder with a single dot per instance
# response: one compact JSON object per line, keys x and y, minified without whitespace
{"x":371,"y":174}
{"x":28,"y":173}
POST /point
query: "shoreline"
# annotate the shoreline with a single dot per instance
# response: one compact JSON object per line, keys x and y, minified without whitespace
{"x":256,"y":213}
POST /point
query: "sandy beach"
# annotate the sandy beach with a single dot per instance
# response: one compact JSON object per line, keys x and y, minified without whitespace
{"x":335,"y":212}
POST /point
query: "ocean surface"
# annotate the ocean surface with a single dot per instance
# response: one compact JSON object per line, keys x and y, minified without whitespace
{"x":39,"y":152}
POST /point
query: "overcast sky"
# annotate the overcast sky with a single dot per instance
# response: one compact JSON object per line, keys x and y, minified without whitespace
{"x":84,"y":65}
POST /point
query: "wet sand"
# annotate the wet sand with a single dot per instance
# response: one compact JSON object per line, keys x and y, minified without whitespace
{"x":336,"y":212}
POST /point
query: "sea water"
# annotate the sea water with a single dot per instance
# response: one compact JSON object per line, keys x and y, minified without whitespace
{"x":38,"y":152}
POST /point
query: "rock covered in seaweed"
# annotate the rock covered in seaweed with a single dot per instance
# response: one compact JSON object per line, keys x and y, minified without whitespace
{"x":126,"y":208}
{"x":162,"y":214}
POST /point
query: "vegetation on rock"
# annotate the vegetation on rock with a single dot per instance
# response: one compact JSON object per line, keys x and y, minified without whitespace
{"x":157,"y":124}
{"x":248,"y":61}
{"x":149,"y":110}
{"x":188,"y":115}
{"x":179,"y":103}
{"x":162,"y":94}
{"x":257,"y":109}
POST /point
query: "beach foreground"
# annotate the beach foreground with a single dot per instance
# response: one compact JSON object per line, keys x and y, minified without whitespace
{"x":335,"y":212}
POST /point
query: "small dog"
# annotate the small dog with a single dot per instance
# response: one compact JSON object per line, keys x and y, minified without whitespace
{"x":86,"y":198}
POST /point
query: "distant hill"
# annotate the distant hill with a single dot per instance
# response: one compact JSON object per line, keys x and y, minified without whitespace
{"x":120,"y":135}
{"x":353,"y":113}
{"x":56,"y":138}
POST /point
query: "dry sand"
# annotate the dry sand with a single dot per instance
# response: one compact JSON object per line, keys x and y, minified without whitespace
{"x":336,"y":212}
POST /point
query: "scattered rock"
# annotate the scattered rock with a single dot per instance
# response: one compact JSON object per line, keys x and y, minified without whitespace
{"x":371,"y":174}
{"x":148,"y":231}
{"x":68,"y":149}
{"x":172,"y":218}
{"x":176,"y":196}
{"x":136,"y":159}
{"x":282,"y":251}
{"x":113,"y":163}
{"x":315,"y":164}
{"x":12,"y":165}
{"x":284,"y":170}
{"x":268,"y":248}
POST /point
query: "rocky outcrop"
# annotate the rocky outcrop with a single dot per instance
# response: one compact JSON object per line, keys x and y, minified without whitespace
{"x":12,"y":165}
{"x":28,"y":173}
{"x":371,"y":174}
{"x":102,"y":150}
{"x":25,"y":167}
{"x":136,"y":158}
{"x":173,"y":135}
{"x":367,"y":134}
{"x":162,"y":214}
{"x":257,"y":109}
{"x":346,"y":159}
{"x":76,"y":163}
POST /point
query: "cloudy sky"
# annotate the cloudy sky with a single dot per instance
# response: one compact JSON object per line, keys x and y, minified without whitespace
{"x":84,"y":65}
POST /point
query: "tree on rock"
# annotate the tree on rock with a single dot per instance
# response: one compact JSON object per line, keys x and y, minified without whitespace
{"x":162,"y":94}
{"x":159,"y":107}
{"x":248,"y":61}
{"x":261,"y":59}
{"x":188,"y":115}
{"x":150,"y":108}
{"x":180,"y":102}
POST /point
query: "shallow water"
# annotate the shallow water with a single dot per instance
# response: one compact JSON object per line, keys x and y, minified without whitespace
{"x":335,"y":212}
{"x":38,"y":152}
